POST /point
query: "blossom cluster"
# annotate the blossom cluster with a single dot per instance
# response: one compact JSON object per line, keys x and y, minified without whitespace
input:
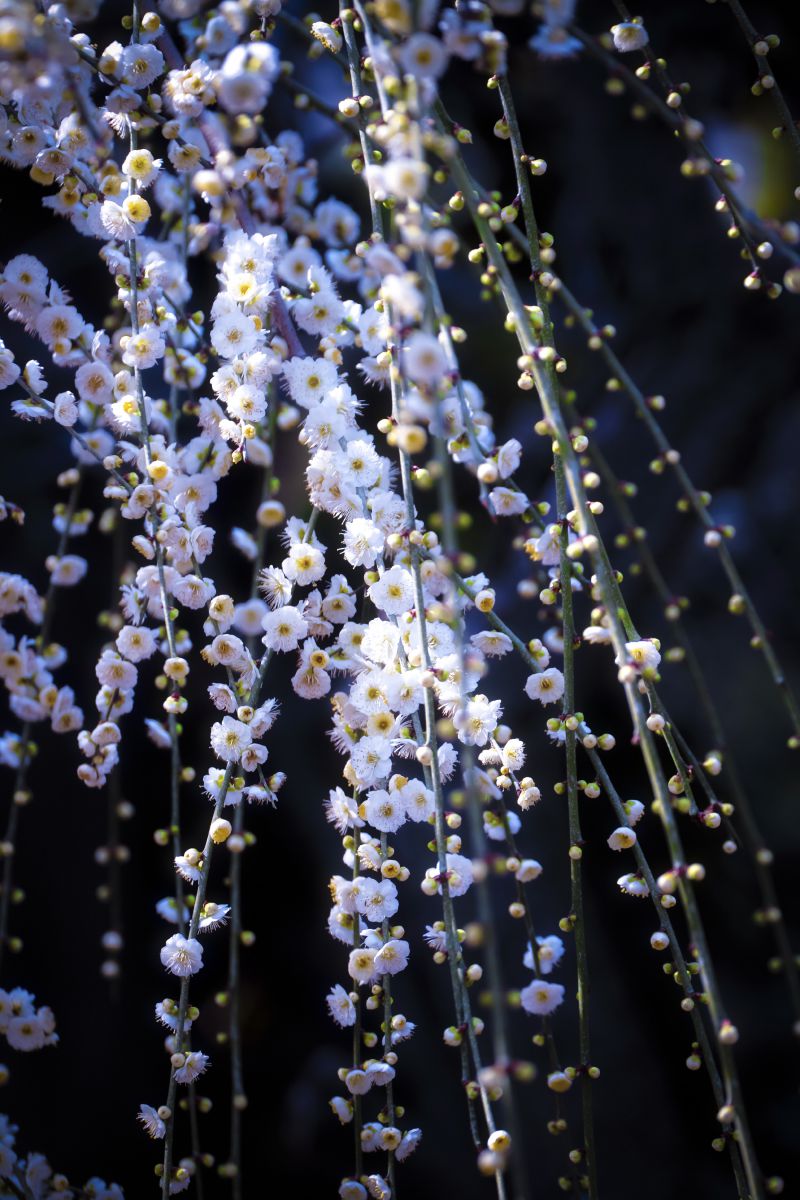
{"x":31,"y":1174}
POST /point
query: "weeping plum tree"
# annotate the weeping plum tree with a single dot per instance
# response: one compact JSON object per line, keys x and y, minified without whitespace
{"x":256,"y":300}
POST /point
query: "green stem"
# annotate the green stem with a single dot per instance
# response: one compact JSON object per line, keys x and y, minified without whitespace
{"x":577,"y":915}
{"x":20,"y":795}
{"x":387,"y":1038}
{"x":789,"y":125}
{"x":621,"y":627}
{"x":576,"y":838}
{"x":238,"y":1097}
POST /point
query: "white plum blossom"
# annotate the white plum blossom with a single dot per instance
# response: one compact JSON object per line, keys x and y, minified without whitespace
{"x":597,"y":635}
{"x":549,"y":952}
{"x":377,"y":900}
{"x":424,"y":359}
{"x":419,"y":800}
{"x":633,"y":885}
{"x":540,"y":998}
{"x":629,"y":35}
{"x":304,"y":564}
{"x":478,"y":720}
{"x":361,"y":965}
{"x":363,"y":542}
{"x":645,"y":655}
{"x":340,"y":1006}
{"x":152,"y":1122}
{"x":284,"y":628}
{"x":622,"y":838}
{"x":393,"y":592}
{"x":309,"y":380}
{"x":181,"y":955}
{"x":229,"y":739}
{"x":195,"y":1063}
{"x":460,"y":875}
{"x":234,"y":334}
{"x":385,"y":811}
{"x":545,"y":686}
{"x":392,"y":957}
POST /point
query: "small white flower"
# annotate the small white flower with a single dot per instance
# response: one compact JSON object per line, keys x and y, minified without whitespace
{"x":634,"y":810}
{"x":459,"y":875}
{"x":276,"y":587}
{"x":393,"y":592}
{"x":351,"y":1189}
{"x":424,"y":360}
{"x":403,"y":178}
{"x":385,"y":811}
{"x":168,"y":909}
{"x":213,"y":915}
{"x":419,"y":801}
{"x":363,"y":542}
{"x":436,"y":937}
{"x":477,"y":721}
{"x":151,"y":1121}
{"x":381,"y":1073}
{"x":597,"y":635}
{"x":508,"y":502}
{"x":246,"y":78}
{"x":343,"y":1109}
{"x":182,"y":956}
{"x":550,"y":951}
{"x":229,"y":738}
{"x":392,"y":957}
{"x":376,"y":899}
{"x":629,"y":35}
{"x":633,"y":885}
{"x":528,"y":870}
{"x":423,"y":56}
{"x":26,"y":1033}
{"x":341,"y":811}
{"x":540,"y":998}
{"x":309,"y":380}
{"x":233,"y":334}
{"x":94,"y":382}
{"x":622,"y":838}
{"x":65,"y":410}
{"x":116,"y":221}
{"x":492,"y":643}
{"x":284,"y":628}
{"x":361,"y":965}
{"x":330,"y":37}
{"x":305,"y":564}
{"x":363,"y":467}
{"x":547,"y":686}
{"x":340,"y":1006}
{"x":411,"y":1139}
{"x":9,"y":371}
{"x":194,"y":1065}
{"x":141,"y":166}
{"x":140,"y":65}
{"x":68,"y":570}
{"x":114,"y":672}
{"x":513,"y":754}
{"x":645,"y":655}
{"x":494,"y":826}
{"x":136,"y":642}
{"x":144,"y":349}
{"x":358,"y":1082}
{"x":371,"y":759}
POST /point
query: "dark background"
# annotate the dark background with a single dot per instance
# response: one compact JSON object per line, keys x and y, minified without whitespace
{"x":645,"y":249}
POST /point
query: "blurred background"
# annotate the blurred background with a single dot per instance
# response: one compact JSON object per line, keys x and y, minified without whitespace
{"x":644,"y":248}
